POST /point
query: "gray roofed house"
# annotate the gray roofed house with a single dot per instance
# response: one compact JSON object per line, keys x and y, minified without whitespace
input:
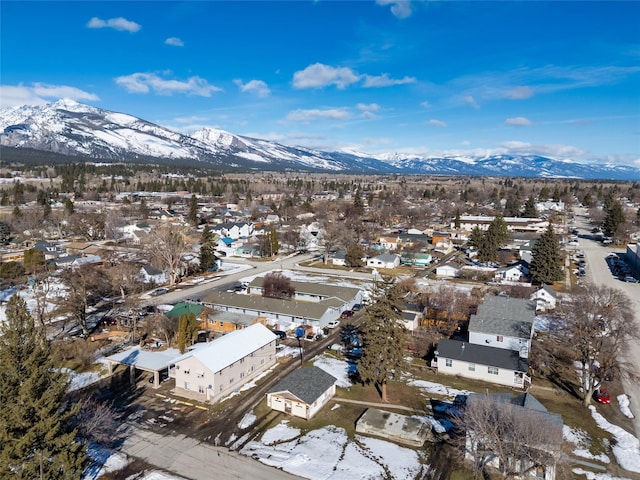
{"x":479,"y":362}
{"x":531,"y":411}
{"x":313,"y":292}
{"x":303,"y":392}
{"x":280,"y":310}
{"x":504,"y":322}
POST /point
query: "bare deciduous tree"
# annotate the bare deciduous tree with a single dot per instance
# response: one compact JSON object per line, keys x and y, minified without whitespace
{"x":596,"y":322}
{"x":502,"y":434}
{"x":277,"y":285}
{"x":97,"y":422}
{"x":166,"y":247}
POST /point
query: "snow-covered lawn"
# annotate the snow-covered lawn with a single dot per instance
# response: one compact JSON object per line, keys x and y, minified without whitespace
{"x":437,"y":388}
{"x":623,"y":401}
{"x":626,"y":448}
{"x":328,"y":454}
{"x":103,"y":460}
{"x":581,"y":440}
{"x":596,"y":476}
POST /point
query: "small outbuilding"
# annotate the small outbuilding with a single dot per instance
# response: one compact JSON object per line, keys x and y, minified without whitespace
{"x":303,"y":392}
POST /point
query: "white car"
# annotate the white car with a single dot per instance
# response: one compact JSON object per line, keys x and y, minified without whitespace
{"x":333,"y":324}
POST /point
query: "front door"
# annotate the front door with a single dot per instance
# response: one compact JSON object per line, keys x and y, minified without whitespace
{"x":287,"y":406}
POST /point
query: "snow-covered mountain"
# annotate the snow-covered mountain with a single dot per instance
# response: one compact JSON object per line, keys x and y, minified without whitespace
{"x":76,"y":130}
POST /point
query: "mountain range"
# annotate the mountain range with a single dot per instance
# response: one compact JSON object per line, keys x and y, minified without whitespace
{"x":85,"y":133}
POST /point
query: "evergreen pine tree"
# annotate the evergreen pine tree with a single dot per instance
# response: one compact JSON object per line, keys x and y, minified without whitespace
{"x":193,"y":210}
{"x":530,"y":208}
{"x":187,"y":331}
{"x":36,"y":438}
{"x":207,"y":250}
{"x":383,"y":338}
{"x":614,"y":221}
{"x":495,"y":237}
{"x":475,"y":238}
{"x":546,"y":258}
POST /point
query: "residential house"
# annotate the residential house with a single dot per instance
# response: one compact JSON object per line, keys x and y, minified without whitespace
{"x":545,"y":297}
{"x":416,"y":259}
{"x":234,"y":230}
{"x":498,"y":347}
{"x":531,"y":411}
{"x":186,"y":308}
{"x":303,"y":392}
{"x":505,"y":323}
{"x":152,"y":275}
{"x":215,"y":370}
{"x":385,"y":260}
{"x":516,"y":272}
{"x":389,"y":243}
{"x":448,"y":270}
{"x":479,"y":362}
{"x":50,"y":250}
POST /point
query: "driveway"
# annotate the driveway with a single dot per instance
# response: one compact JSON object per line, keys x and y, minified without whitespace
{"x":598,"y":273}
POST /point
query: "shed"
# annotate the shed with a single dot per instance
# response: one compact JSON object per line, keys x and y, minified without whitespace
{"x":303,"y":392}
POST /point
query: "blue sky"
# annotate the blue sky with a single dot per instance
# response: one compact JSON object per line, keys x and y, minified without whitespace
{"x":422,"y":77}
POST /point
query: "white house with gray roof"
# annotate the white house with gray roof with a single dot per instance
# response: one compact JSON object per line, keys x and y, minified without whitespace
{"x":214,"y":370}
{"x":303,"y":392}
{"x":479,"y":362}
{"x":385,"y":260}
{"x":505,"y":323}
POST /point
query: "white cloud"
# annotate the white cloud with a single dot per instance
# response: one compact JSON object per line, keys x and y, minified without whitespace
{"x":519,"y":93}
{"x":549,"y":150}
{"x":40,"y":94}
{"x":383,"y":80}
{"x":425,"y":104}
{"x":255,"y":87}
{"x":437,"y":123}
{"x":314,"y":114}
{"x":469,"y":100}
{"x":400,"y":8}
{"x":518,"y":122}
{"x":145,"y":82}
{"x":192,"y":119}
{"x":319,"y":76}
{"x":174,"y":41}
{"x":370,"y":107}
{"x":119,"y":23}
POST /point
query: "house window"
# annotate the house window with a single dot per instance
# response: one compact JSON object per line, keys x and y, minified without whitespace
{"x":241,"y":374}
{"x":493,"y":370}
{"x":187,"y":386}
{"x":222,"y":324}
{"x":231,"y":380}
{"x":500,"y":338}
{"x":448,"y":362}
{"x":200,"y":388}
{"x":472,"y":367}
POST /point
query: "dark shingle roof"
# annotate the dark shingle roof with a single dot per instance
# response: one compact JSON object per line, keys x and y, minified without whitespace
{"x":525,"y":400}
{"x":491,"y":356}
{"x":507,"y":316}
{"x":308,"y":384}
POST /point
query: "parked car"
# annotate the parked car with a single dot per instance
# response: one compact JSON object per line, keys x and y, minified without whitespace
{"x":630,"y":279}
{"x":356,"y":307}
{"x":333,"y":324}
{"x":353,"y":353}
{"x":346,"y":314}
{"x":280,"y":333}
{"x":602,"y":396}
{"x":159,"y":291}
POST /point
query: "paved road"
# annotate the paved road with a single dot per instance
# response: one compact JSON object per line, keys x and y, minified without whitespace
{"x":598,"y":272}
{"x":195,"y":460}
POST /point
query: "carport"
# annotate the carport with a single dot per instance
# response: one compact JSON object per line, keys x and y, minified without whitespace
{"x":145,"y":360}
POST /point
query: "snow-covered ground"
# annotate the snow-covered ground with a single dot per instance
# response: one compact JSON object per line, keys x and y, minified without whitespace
{"x":328,"y":454}
{"x":335,"y":367}
{"x":596,"y":476}
{"x":437,"y":388}
{"x":626,"y":447}
{"x":623,"y":401}
{"x":581,"y":440}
